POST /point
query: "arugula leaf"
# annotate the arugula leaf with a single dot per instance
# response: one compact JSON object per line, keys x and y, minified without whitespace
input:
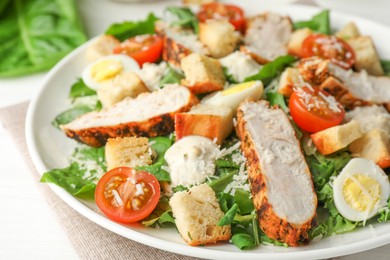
{"x":35,"y":35}
{"x":171,"y":77}
{"x":128,"y":29}
{"x":71,"y":114}
{"x":242,"y":238}
{"x":160,"y":145}
{"x":272,"y":69}
{"x":228,"y":218}
{"x":161,"y":215}
{"x":384,"y":214}
{"x":319,"y":23}
{"x":3,"y":6}
{"x":244,"y":201}
{"x":77,"y":179}
{"x":386,"y":67}
{"x":186,"y":18}
{"x":225,"y":177}
{"x":275,"y":98}
{"x":80,"y":89}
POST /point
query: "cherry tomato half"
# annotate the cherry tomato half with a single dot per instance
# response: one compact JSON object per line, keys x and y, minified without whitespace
{"x":142,"y":48}
{"x":126,"y":195}
{"x":329,"y":47}
{"x":314,"y":110}
{"x":217,"y":10}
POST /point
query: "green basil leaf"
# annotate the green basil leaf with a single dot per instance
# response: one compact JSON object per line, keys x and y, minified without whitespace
{"x":272,"y":69}
{"x":186,"y":18}
{"x":160,"y":145}
{"x":79,"y":89}
{"x":319,"y":23}
{"x":35,"y":35}
{"x":128,"y":29}
{"x":71,"y":114}
{"x":228,"y":218}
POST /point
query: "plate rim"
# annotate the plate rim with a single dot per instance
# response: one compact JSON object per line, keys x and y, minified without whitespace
{"x":174,"y":247}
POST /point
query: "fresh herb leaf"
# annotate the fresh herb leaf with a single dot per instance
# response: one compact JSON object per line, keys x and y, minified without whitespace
{"x":161,"y":215}
{"x":79,"y":89}
{"x":225,"y":177}
{"x":386,"y":67}
{"x":160,"y":145}
{"x":244,"y":201}
{"x":272,"y":69}
{"x":319,"y":23}
{"x":171,"y":77}
{"x":275,"y":98}
{"x":226,"y":201}
{"x":384,"y":214}
{"x":186,"y":18}
{"x":77,"y":178}
{"x":69,"y":115}
{"x":128,"y":29}
{"x":242,"y":238}
{"x":35,"y":35}
{"x":228,"y":218}
{"x":229,"y":77}
{"x":179,"y":188}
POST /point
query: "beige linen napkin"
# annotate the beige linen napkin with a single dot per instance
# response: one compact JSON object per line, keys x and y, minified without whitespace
{"x":82,"y":232}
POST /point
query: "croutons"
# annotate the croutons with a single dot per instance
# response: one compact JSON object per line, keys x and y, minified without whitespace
{"x":289,"y":78}
{"x":197,"y":213}
{"x":102,"y":46}
{"x":348,"y":31}
{"x":202,"y":74}
{"x":127,"y":151}
{"x":295,"y":43}
{"x":124,"y":85}
{"x":366,"y":56}
{"x":219,"y":36}
{"x":206,"y":120}
{"x":334,"y":87}
{"x":375,"y":146}
{"x":336,"y":138}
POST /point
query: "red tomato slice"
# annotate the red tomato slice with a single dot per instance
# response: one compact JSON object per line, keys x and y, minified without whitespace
{"x":217,"y":10}
{"x":329,"y":47}
{"x":142,"y":48}
{"x":314,"y":110}
{"x":126,"y":195}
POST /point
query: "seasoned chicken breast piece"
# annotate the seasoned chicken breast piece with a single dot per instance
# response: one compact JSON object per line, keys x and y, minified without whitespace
{"x":150,"y":114}
{"x":267,"y":37}
{"x":281,"y":183}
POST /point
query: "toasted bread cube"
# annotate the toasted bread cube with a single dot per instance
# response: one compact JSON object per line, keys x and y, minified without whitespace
{"x":348,"y":31}
{"x":295,"y":43}
{"x":102,"y":46}
{"x":124,"y":85}
{"x":289,"y":78}
{"x":202,"y":74}
{"x":334,"y":87}
{"x":336,"y":138}
{"x":174,"y":52}
{"x":197,"y":213}
{"x":366,"y":55}
{"x":206,"y":120}
{"x":128,"y":151}
{"x":373,"y":145}
{"x":219,"y":36}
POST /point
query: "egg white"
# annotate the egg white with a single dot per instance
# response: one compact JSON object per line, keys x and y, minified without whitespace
{"x":128,"y":63}
{"x":365,"y":167}
{"x":232,"y":100}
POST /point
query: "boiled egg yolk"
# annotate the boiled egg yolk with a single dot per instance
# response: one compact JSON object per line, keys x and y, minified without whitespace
{"x":361,"y":192}
{"x":237,"y":88}
{"x":105,"y":70}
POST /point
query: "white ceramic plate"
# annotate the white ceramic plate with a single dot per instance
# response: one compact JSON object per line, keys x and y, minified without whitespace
{"x":49,"y":148}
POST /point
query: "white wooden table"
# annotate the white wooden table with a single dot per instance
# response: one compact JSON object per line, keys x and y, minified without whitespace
{"x":28,"y":227}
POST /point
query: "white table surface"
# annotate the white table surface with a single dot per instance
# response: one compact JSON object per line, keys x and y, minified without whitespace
{"x":28,"y":227}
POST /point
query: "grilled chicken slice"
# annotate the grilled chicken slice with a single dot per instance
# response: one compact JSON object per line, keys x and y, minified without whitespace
{"x":150,"y":114}
{"x":349,"y":88}
{"x":281,"y":183}
{"x":267,"y":37}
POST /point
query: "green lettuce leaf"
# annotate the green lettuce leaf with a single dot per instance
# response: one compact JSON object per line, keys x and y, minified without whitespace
{"x":160,"y":145}
{"x":80,"y":89}
{"x":128,"y":29}
{"x":35,"y":35}
{"x":70,"y":114}
{"x":275,"y":98}
{"x":319,"y":23}
{"x":272,"y":69}
{"x":185,"y":18}
{"x":78,"y":179}
{"x":386,"y":67}
{"x":171,"y":77}
{"x":161,"y":216}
